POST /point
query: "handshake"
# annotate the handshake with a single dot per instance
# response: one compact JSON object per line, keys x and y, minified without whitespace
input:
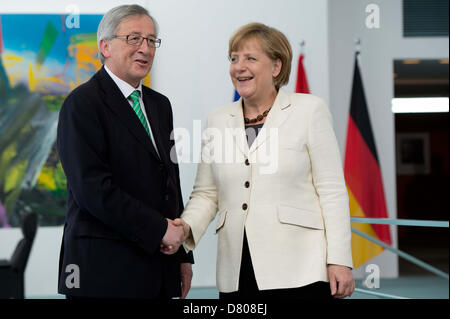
{"x":177,"y":232}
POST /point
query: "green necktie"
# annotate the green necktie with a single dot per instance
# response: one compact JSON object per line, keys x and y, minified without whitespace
{"x":138,"y":110}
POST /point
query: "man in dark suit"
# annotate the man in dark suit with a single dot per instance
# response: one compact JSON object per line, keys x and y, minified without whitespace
{"x":123,"y":189}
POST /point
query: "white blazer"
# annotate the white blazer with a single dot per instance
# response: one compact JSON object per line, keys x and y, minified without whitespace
{"x":287,"y":190}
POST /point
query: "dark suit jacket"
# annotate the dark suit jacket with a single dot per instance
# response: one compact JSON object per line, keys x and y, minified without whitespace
{"x":119,"y":194}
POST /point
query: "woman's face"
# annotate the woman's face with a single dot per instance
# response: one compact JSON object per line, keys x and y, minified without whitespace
{"x":252,"y":71}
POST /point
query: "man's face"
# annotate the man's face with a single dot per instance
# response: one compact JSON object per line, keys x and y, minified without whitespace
{"x":130,"y":63}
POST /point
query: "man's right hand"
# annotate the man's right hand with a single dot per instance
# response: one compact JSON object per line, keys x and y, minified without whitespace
{"x":186,"y":227}
{"x":173,"y":238}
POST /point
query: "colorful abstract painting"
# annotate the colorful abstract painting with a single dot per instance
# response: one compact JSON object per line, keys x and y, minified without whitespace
{"x":42,"y":59}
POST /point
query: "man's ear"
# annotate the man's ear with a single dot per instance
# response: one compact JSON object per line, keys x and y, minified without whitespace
{"x":105,"y":48}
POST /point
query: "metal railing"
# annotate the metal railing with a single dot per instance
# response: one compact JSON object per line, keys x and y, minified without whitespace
{"x":412,"y":259}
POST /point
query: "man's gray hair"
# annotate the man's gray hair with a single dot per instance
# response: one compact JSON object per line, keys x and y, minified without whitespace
{"x":112,"y":19}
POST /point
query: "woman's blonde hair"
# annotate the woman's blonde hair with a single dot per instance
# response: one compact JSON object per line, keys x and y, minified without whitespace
{"x":274,"y":43}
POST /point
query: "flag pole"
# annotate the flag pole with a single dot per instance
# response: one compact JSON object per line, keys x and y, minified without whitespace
{"x":302,"y":46}
{"x":358,"y":45}
{"x":358,"y":48}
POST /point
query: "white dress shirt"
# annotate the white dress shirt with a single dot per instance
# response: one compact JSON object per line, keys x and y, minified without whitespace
{"x":126,"y":90}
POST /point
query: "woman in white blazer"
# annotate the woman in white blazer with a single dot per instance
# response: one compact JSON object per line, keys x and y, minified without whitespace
{"x":271,"y":169}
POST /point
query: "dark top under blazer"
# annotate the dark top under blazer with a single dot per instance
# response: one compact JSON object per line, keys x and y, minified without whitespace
{"x":119,"y":194}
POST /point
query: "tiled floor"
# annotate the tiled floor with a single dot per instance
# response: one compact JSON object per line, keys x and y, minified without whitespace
{"x":413,"y":281}
{"x":415,"y":287}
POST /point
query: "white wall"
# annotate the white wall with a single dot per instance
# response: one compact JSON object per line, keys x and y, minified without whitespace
{"x":379,"y":48}
{"x":191,"y":68}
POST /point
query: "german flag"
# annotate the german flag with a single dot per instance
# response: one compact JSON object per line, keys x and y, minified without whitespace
{"x":363,"y":176}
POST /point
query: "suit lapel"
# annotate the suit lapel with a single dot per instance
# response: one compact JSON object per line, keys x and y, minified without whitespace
{"x":277,"y":115}
{"x":153,"y":116}
{"x":121,"y":107}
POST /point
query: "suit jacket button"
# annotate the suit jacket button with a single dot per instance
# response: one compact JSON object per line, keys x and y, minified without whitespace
{"x":247,"y":162}
{"x":247,"y":184}
{"x":161,"y":166}
{"x":244,"y":206}
{"x":166,"y":197}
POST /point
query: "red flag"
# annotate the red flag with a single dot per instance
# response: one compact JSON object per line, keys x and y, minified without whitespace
{"x":363,"y":176}
{"x":302,"y":82}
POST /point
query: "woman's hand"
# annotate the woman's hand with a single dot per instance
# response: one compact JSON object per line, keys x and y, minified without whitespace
{"x":342,"y":283}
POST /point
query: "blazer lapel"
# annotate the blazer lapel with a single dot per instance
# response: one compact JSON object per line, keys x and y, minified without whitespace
{"x":236,"y":122}
{"x":277,"y":115}
{"x":121,"y":107}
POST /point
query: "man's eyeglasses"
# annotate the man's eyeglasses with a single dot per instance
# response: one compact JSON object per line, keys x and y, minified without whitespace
{"x":135,"y":39}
